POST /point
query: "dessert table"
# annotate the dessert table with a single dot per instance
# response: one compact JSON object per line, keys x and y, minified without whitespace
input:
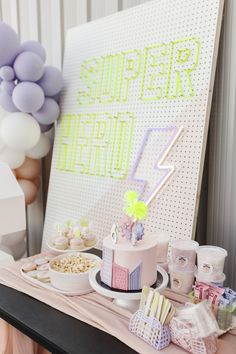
{"x":30,"y":326}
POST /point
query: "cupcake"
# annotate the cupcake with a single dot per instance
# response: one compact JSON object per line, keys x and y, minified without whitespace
{"x":57,"y":232}
{"x":61,"y":243}
{"x":85,"y":226}
{"x":67,"y":231}
{"x":68,"y":234}
{"x":89,"y":240}
{"x":76,"y":243}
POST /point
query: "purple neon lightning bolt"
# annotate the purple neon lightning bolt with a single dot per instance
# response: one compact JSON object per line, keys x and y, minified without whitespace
{"x":168,"y":169}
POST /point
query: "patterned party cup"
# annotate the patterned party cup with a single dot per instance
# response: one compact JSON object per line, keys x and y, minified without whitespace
{"x":211,"y":260}
{"x":184,"y":254}
{"x":181,"y":281}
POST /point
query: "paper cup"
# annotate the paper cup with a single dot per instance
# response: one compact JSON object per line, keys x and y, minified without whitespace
{"x":163,"y":240}
{"x":183,"y":253}
{"x":211,"y":259}
{"x":181,"y":281}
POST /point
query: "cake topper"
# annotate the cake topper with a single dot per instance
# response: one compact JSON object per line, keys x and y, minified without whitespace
{"x":130,"y":226}
{"x":114,"y":233}
{"x":133,"y":207}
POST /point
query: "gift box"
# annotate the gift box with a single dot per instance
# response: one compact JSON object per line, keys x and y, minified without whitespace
{"x":185,"y":335}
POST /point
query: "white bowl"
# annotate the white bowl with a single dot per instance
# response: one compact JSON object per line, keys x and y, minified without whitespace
{"x":72,"y":281}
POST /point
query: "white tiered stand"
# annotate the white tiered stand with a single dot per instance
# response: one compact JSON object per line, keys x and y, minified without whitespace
{"x":126,"y":300}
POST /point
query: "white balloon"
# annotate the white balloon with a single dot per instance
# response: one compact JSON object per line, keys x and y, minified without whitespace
{"x":20,"y":131}
{"x":14,"y":158}
{"x":41,"y":149}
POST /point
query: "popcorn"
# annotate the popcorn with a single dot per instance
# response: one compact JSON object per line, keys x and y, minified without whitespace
{"x":73,"y":264}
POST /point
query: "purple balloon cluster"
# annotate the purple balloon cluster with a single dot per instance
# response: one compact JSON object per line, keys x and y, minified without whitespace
{"x":26,"y":84}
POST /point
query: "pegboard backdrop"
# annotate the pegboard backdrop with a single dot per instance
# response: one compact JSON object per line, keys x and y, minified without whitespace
{"x":132,"y":81}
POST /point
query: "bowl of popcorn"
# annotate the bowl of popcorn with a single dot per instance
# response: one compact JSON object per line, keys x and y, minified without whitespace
{"x":70,"y":272}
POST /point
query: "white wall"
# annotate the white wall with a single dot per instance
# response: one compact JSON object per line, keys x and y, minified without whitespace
{"x":48,"y":20}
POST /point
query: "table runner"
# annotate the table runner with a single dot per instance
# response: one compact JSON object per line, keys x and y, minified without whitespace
{"x":93,"y":308}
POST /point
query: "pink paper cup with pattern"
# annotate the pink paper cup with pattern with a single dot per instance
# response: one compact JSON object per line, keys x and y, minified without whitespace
{"x":181,"y":281}
{"x":183,"y":254}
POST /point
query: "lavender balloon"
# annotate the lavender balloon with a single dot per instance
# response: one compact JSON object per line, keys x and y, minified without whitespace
{"x":52,"y":81}
{"x":45,"y":128}
{"x":6,"y":102}
{"x":35,"y":47}
{"x":7,"y":73}
{"x":57,"y":97}
{"x":48,"y":113}
{"x":28,"y":97}
{"x":9,"y":44}
{"x":8,"y":87}
{"x":28,"y":66}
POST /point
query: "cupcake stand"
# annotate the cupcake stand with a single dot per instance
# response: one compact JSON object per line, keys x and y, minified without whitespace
{"x":130,"y":299}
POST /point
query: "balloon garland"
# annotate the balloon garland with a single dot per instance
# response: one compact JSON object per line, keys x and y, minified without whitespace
{"x":29,"y":94}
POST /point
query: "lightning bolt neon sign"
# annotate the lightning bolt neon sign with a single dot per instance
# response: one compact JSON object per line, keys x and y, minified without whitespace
{"x":160,"y":164}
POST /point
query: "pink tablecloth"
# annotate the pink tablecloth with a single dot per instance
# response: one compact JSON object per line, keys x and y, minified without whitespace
{"x":92,"y":308}
{"x":14,"y":342}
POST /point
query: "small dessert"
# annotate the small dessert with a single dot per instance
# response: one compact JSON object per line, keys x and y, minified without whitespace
{"x":61,"y":243}
{"x":73,"y":264}
{"x":43,"y":276}
{"x":32,"y":274}
{"x":89,"y":240}
{"x":28,"y":267}
{"x":57,"y":232}
{"x":76,"y":243}
{"x":43,"y":267}
{"x":67,"y":233}
{"x":73,"y":236}
{"x":40,"y":261}
{"x":68,"y":230}
{"x":85,"y":226}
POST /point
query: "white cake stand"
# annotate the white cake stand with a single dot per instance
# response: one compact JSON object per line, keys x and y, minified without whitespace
{"x":129,"y":300}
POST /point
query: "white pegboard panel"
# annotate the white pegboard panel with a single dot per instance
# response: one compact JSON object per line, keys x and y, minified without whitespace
{"x":185,"y":32}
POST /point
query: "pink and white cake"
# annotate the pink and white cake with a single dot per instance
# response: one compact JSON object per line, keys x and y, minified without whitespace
{"x":127,"y":267}
{"x":129,"y":261}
